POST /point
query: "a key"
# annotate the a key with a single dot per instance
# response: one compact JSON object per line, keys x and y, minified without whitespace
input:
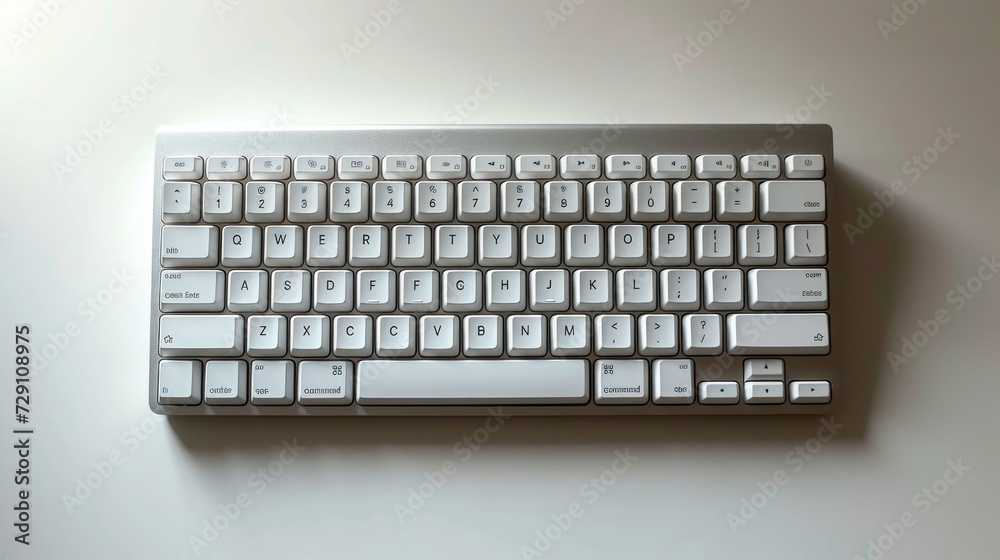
{"x":809,"y":392}
{"x":313,"y":168}
{"x":505,"y":290}
{"x":490,"y":167}
{"x":247,"y":291}
{"x":333,"y":291}
{"x":658,"y":335}
{"x":454,"y":246}
{"x":673,"y":381}
{"x":540,"y":245}
{"x":269,"y":168}
{"x":627,"y":245}
{"x":592,"y":290}
{"x":757,"y":245}
{"x":348,"y":201}
{"x":615,"y":335}
{"x":434,"y":202}
{"x":439,"y":336}
{"x":272,"y":382}
{"x":201,"y":335}
{"x":226,"y":168}
{"x":520,"y":201}
{"x":759,"y":167}
{"x":402,"y":167}
{"x":670,"y":246}
{"x":805,"y":245}
{"x":526,"y":335}
{"x":570,"y":335}
{"x":222,"y":202}
{"x":326,"y":246}
{"x":621,"y":382}
{"x":702,"y":334}
{"x":563,"y":201}
{"x":352,"y":336}
{"x":445,"y":167}
{"x":679,"y":290}
{"x":462,"y":291}
{"x":418,"y":291}
{"x":584,"y":245}
{"x":181,"y":203}
{"x":606,"y":201}
{"x":396,"y":336}
{"x":580,"y":166}
{"x":692,"y":201}
{"x":189,"y":246}
{"x":369,"y":246}
{"x":535,"y":167}
{"x":724,"y":289}
{"x":353,"y":168}
{"x":376,"y":291}
{"x":310,"y":336}
{"x":718,"y":392}
{"x":179,"y":382}
{"x":764,"y":369}
{"x":290,"y":290}
{"x":482,"y":336}
{"x":549,"y":290}
{"x":307,"y":202}
{"x":804,"y":166}
{"x":265,"y":202}
{"x":391,"y":201}
{"x":755,"y":334}
{"x":192,"y":290}
{"x":225,"y":382}
{"x":630,"y":166}
{"x":764,"y":392}
{"x":734,"y":201}
{"x":648,"y":201}
{"x":635,"y":290}
{"x":670,"y":166}
{"x":326,"y":383}
{"x":283,"y":246}
{"x":785,"y":289}
{"x":792,"y":201}
{"x":411,"y":246}
{"x":267,"y":335}
{"x":497,"y":246}
{"x":182,"y":168}
{"x":715,"y":166}
{"x":477,"y":201}
{"x":713,"y":245}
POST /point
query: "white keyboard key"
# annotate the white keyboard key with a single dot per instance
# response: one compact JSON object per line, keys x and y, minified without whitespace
{"x":462,"y":291}
{"x":222,"y":202}
{"x":376,"y":291}
{"x":648,"y":201}
{"x":182,"y":168}
{"x":673,"y":381}
{"x":627,"y":245}
{"x":411,"y":246}
{"x":670,"y":167}
{"x":454,"y":246}
{"x":702,"y":335}
{"x":570,"y":335}
{"x":497,"y":246}
{"x":418,"y":291}
{"x":313,"y":168}
{"x":526,"y":335}
{"x":272,"y":382}
{"x":540,"y":246}
{"x":348,"y":201}
{"x":520,"y":201}
{"x":757,"y":245}
{"x":692,"y":201}
{"x":307,"y":201}
{"x":226,"y":168}
{"x":670,"y":246}
{"x":505,"y":290}
{"x":267,"y":335}
{"x":477,"y":201}
{"x":192,"y":290}
{"x":713,"y":245}
{"x":679,"y":290}
{"x":792,"y":201}
{"x":621,"y":382}
{"x":718,"y":392}
{"x":310,"y":336}
{"x":482,"y":336}
{"x":809,"y":166}
{"x":490,"y":167}
{"x":658,"y":335}
{"x":584,"y":245}
{"x":434,"y":201}
{"x":549,"y":290}
{"x":614,"y":335}
{"x":189,"y":246}
{"x":333,"y":291}
{"x":283,"y":246}
{"x":326,"y":383}
{"x":734,"y":201}
{"x":326,"y":246}
{"x":290,"y":290}
{"x":785,"y":289}
{"x":580,"y":166}
{"x":445,"y":167}
{"x":809,"y":392}
{"x":179,"y":382}
{"x":764,"y":392}
{"x":180,"y":203}
{"x":352,"y":336}
{"x":778,"y":333}
{"x":396,"y":336}
{"x":759,"y":167}
{"x":265,"y":202}
{"x":715,"y":166}
{"x":592,"y":290}
{"x":391,"y":201}
{"x":723,"y":289}
{"x":354,"y":168}
{"x":247,"y":291}
{"x":764,"y":369}
{"x":636,"y":290}
{"x":606,"y":201}
{"x":402,"y":167}
{"x":563,"y":201}
{"x":369,"y":246}
{"x":275,"y":168}
{"x":226,"y":382}
{"x":535,"y":167}
{"x":201,"y":335}
{"x":805,"y":245}
{"x":439,"y":336}
{"x":631,"y":166}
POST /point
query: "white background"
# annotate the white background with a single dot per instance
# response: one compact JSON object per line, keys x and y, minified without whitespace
{"x":66,"y":233}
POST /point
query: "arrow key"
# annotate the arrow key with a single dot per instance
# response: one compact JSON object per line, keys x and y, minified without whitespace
{"x":764,"y":392}
{"x":181,"y":203}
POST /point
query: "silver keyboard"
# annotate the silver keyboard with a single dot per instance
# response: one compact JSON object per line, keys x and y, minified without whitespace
{"x":548,"y":270}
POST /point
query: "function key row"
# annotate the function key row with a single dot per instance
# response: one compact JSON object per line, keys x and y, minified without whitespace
{"x":486,"y":167}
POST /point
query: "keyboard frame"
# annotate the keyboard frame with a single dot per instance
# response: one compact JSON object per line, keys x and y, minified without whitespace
{"x":556,"y":139}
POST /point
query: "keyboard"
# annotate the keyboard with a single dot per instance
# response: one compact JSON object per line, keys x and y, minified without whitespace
{"x":466,"y":270}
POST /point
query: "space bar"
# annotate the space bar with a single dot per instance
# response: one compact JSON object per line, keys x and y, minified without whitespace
{"x":484,"y":382}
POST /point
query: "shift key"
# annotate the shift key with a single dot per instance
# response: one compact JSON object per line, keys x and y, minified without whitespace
{"x":762,"y":334}
{"x":201,"y":335}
